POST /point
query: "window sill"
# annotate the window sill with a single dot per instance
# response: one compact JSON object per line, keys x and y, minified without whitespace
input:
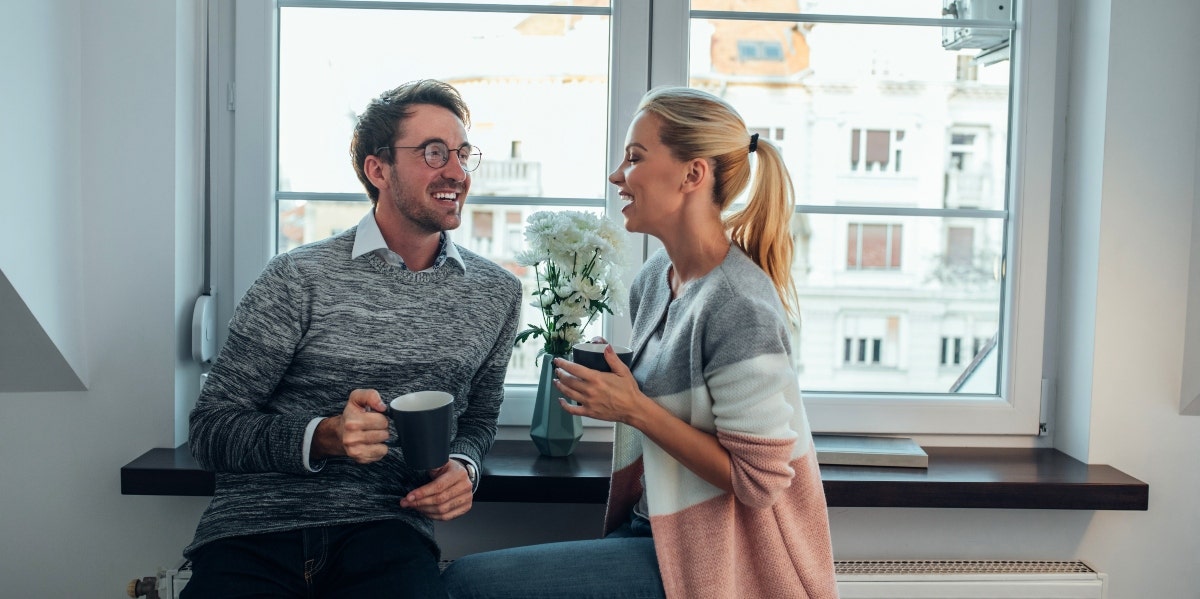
{"x":957,"y":477}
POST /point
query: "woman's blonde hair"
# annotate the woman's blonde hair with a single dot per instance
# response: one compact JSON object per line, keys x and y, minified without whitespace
{"x":696,"y":124}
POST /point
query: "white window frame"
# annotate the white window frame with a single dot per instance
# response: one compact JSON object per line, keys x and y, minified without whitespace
{"x":242,"y":237}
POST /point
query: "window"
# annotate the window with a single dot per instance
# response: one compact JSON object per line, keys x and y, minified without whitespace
{"x":876,"y":150}
{"x":930,"y":252}
{"x":960,"y":247}
{"x":965,"y":68}
{"x":969,"y":176}
{"x":871,"y":341}
{"x":954,"y":349}
{"x":873,"y":246}
{"x":759,"y":50}
{"x":481,"y":230}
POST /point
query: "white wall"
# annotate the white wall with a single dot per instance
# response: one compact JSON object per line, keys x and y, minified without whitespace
{"x":1147,"y":195}
{"x":39,"y":167}
{"x":96,"y":160}
{"x":1189,"y":397}
{"x":66,"y":531}
{"x":1080,"y":233}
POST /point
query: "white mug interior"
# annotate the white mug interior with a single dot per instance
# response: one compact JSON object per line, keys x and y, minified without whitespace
{"x":599,"y":347}
{"x":421,"y":401}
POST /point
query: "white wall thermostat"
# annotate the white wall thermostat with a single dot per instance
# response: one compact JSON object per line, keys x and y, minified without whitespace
{"x":204,"y":330}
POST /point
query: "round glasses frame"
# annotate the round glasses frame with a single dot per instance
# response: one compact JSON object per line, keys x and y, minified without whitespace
{"x":437,"y":154}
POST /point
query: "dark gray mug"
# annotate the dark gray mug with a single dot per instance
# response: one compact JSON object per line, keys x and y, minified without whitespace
{"x":422,"y":422}
{"x":592,"y":355}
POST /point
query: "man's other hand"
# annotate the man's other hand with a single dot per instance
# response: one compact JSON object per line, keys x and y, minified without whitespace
{"x":446,"y":497}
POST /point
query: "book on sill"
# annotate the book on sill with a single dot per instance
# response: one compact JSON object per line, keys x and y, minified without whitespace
{"x":862,"y":450}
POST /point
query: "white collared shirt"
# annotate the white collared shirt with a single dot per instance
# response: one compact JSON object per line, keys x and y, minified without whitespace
{"x":369,"y":238}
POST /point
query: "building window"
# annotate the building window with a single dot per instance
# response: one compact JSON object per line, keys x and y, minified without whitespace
{"x":759,"y":50}
{"x":960,"y":247}
{"x":870,"y":341}
{"x":481,"y":230}
{"x":775,"y":134}
{"x":876,"y":150}
{"x":514,"y":232}
{"x":873,"y":246}
{"x":965,"y":68}
{"x":955,"y":349}
{"x":863,"y":350}
{"x":967,"y":180}
{"x":951,"y":351}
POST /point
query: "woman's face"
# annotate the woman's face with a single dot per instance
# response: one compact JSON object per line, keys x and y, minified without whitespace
{"x":649,"y":179}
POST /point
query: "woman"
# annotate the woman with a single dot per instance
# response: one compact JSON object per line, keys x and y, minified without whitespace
{"x":715,"y":489}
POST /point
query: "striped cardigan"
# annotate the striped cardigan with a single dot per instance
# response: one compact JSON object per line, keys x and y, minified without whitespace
{"x":724,"y":368}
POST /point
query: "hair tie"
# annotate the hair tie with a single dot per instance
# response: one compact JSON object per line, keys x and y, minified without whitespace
{"x":753,"y":143}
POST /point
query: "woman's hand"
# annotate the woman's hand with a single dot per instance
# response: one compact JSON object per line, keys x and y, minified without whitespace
{"x":615,"y":397}
{"x":612,"y":396}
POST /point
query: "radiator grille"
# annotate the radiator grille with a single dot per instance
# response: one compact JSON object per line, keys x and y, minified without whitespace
{"x":937,"y":567}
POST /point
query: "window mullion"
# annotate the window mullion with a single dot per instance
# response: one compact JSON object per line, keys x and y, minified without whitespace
{"x":629,"y":77}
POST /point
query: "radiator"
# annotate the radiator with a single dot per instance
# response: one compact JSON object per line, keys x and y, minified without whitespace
{"x":953,"y":579}
{"x":881,"y":579}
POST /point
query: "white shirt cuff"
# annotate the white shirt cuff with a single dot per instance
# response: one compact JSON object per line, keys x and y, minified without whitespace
{"x":478,"y":472}
{"x":309,"y":431}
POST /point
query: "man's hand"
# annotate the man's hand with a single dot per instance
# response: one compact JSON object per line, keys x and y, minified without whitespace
{"x":358,"y":432}
{"x":446,"y":497}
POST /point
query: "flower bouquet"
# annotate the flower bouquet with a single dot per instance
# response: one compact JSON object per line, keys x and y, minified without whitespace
{"x":575,"y":257}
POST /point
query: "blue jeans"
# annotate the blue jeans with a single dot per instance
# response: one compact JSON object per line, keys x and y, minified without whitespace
{"x":386,"y":558}
{"x":621,"y":565}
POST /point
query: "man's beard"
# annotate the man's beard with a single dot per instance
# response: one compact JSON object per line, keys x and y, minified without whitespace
{"x":418,"y":212}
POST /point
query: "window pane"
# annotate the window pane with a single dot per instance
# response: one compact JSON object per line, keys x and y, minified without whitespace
{"x":925,"y":9}
{"x":887,"y":96}
{"x":531,"y":2}
{"x":877,"y":147}
{"x":324,"y":81}
{"x":302,"y":221}
{"x":897,"y":329}
{"x":874,"y":246}
{"x":916,"y":9}
{"x":960,"y":247}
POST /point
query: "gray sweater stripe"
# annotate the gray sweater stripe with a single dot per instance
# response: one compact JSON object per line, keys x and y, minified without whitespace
{"x":731,"y":314}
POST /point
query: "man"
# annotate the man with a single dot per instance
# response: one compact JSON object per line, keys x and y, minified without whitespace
{"x":309,"y":499}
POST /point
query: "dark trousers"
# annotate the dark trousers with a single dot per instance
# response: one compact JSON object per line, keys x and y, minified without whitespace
{"x":374,"y":559}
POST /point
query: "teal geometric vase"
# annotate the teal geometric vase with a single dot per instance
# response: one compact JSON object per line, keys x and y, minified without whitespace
{"x":553,"y":430}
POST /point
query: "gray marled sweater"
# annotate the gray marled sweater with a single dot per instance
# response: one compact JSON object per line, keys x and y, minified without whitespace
{"x":315,"y":326}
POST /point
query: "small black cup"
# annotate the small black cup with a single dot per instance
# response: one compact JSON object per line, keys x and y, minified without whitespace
{"x":592,"y":355}
{"x":422,"y":422}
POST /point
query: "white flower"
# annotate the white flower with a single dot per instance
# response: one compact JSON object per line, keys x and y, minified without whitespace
{"x":529,"y":257}
{"x":618,"y":295}
{"x":588,"y":287}
{"x":544,"y":299}
{"x":577,"y":259}
{"x":576,"y":307}
{"x":572,"y":335}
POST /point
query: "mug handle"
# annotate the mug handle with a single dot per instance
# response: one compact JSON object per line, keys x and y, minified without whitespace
{"x":387,"y":411}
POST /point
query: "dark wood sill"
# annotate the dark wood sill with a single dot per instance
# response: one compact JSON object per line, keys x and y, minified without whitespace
{"x":957,"y":477}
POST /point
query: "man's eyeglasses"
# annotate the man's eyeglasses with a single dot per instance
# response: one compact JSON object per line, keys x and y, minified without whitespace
{"x":437,"y":154}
